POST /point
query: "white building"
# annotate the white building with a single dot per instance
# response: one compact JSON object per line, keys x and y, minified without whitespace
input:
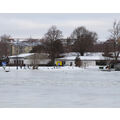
{"x":87,"y":60}
{"x":29,"y":59}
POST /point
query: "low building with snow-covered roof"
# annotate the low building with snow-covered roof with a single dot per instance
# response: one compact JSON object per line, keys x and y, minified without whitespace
{"x":85,"y":60}
{"x":29,"y":59}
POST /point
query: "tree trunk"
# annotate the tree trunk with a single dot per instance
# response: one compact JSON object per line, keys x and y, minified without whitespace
{"x":53,"y":61}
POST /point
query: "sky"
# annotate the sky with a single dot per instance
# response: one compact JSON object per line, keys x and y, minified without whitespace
{"x":35,"y":25}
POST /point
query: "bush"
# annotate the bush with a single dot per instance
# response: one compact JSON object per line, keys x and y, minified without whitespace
{"x":77,"y":62}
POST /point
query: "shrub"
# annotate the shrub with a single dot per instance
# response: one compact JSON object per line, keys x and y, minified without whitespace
{"x":77,"y":62}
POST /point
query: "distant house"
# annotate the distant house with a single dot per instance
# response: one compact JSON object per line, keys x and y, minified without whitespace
{"x":23,"y":46}
{"x":20,"y":49}
{"x":29,"y":59}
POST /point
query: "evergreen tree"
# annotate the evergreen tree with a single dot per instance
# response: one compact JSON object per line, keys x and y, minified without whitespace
{"x":77,"y":61}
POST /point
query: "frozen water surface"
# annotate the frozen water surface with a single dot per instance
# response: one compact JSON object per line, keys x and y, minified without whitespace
{"x":60,"y":87}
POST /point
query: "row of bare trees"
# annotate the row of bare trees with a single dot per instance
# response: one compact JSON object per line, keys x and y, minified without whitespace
{"x":81,"y":40}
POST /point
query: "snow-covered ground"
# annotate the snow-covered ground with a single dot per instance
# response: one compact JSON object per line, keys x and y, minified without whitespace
{"x":59,"y":87}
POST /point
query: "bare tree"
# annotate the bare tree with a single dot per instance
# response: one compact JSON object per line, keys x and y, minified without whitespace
{"x":108,"y":48}
{"x":35,"y":61}
{"x":5,"y":45}
{"x":5,"y":38}
{"x":84,"y":39}
{"x":68,"y":44}
{"x":98,"y":47}
{"x":52,"y":41}
{"x":38,"y":49}
{"x":115,"y":36}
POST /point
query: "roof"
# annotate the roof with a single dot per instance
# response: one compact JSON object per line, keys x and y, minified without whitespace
{"x":21,"y":55}
{"x":71,"y":58}
{"x":87,"y":56}
{"x":26,"y":55}
{"x":26,"y":43}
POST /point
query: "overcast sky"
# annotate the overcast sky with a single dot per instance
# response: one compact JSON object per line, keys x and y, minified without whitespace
{"x":36,"y":25}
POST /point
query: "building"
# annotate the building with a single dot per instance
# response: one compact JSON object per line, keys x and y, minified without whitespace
{"x":18,"y":49}
{"x":23,"y":46}
{"x":29,"y":59}
{"x":87,"y":60}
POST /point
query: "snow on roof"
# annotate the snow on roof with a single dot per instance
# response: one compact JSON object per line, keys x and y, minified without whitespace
{"x":93,"y":54}
{"x":84,"y":58}
{"x":70,"y":54}
{"x":85,"y":54}
{"x":22,"y":55}
{"x":92,"y":58}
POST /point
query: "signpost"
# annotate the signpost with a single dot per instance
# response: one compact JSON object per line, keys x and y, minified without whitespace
{"x":58,"y":63}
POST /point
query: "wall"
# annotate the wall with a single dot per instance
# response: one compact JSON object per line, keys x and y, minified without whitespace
{"x":85,"y":63}
{"x":12,"y":61}
{"x":18,"y":50}
{"x":70,"y":63}
{"x":37,"y":61}
{"x":88,"y":63}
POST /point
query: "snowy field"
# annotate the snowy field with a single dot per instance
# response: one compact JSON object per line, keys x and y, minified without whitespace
{"x":60,"y":87}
